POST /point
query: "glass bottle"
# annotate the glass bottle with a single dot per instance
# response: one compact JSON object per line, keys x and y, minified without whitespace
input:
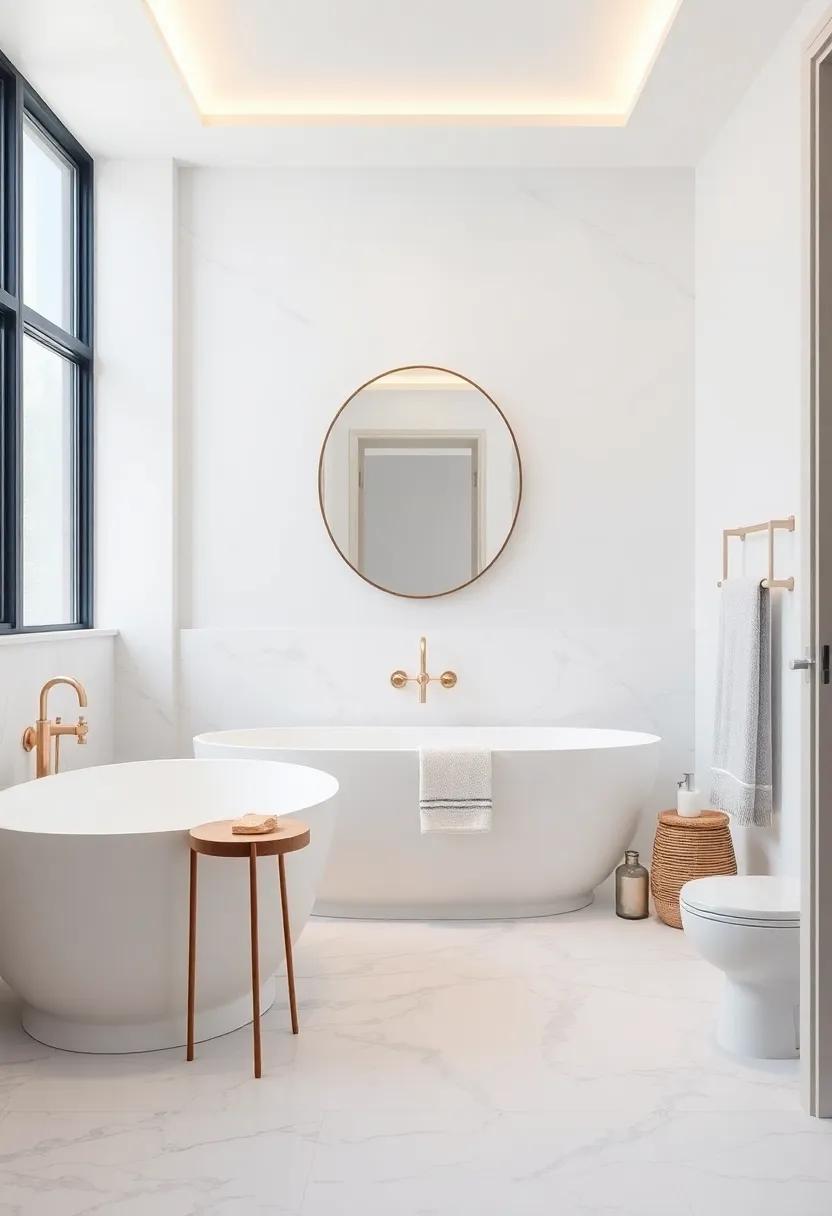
{"x":632,"y":884}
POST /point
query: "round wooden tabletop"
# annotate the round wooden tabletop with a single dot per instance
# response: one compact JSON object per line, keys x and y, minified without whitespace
{"x":217,"y":840}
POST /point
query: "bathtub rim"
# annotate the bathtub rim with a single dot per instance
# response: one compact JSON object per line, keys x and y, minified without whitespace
{"x":344,"y":739}
{"x":80,"y":776}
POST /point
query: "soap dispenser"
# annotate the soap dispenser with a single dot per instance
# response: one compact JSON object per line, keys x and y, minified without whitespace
{"x":688,"y":799}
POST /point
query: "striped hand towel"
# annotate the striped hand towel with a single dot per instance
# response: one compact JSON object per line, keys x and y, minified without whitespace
{"x":455,"y":790}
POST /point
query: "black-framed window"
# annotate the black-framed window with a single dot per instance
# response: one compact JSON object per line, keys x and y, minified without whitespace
{"x":46,"y":366}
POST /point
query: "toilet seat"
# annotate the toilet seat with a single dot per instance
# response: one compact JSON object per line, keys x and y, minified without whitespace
{"x":747,"y":922}
{"x":756,"y":900}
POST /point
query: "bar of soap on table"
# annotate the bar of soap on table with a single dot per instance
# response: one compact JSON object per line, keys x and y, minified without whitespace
{"x":254,"y":825}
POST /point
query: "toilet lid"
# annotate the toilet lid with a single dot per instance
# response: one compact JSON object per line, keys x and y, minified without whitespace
{"x":761,"y":897}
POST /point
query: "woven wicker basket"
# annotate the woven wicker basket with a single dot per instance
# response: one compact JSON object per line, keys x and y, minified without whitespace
{"x":685,"y":849}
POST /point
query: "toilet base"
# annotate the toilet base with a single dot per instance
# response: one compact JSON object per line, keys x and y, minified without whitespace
{"x":759,"y":1021}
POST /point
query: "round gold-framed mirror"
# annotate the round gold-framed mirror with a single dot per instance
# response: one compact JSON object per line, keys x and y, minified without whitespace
{"x":420,"y":481}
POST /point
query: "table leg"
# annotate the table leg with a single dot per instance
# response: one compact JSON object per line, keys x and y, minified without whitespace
{"x":255,"y":959}
{"x":192,"y":956}
{"x":287,"y":942}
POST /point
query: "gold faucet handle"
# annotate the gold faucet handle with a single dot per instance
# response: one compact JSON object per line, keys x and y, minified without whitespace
{"x":448,"y":679}
{"x":30,"y":739}
{"x":399,"y":679}
{"x":81,"y":730}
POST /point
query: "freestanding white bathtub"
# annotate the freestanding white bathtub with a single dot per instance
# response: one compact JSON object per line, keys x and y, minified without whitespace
{"x":94,"y":898}
{"x":566,"y":803}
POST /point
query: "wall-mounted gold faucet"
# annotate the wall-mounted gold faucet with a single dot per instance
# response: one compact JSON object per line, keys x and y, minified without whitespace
{"x":38,"y":738}
{"x":400,"y":678}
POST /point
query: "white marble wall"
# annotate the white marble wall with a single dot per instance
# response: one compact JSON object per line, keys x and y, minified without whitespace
{"x":135,"y":445}
{"x":567,"y":295}
{"x":25,"y":665}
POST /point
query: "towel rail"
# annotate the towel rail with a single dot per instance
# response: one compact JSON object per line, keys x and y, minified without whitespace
{"x":770,"y":526}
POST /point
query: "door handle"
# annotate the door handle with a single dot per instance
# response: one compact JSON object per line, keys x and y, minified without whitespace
{"x":808,"y":664}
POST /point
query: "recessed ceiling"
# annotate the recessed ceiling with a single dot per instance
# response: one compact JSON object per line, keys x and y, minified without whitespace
{"x":570,"y":62}
{"x":105,"y":68}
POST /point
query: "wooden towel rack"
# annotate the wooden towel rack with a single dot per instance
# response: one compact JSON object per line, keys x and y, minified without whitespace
{"x":770,"y":526}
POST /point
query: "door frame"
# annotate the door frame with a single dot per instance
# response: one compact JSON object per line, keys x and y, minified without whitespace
{"x":816,"y":550}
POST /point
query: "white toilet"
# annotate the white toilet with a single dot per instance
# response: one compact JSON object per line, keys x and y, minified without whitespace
{"x":749,"y":927}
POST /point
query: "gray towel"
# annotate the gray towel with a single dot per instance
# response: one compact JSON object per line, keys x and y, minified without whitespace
{"x":741,"y":770}
{"x":455,"y":790}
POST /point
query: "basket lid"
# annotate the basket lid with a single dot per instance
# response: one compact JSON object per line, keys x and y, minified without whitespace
{"x":702,"y":822}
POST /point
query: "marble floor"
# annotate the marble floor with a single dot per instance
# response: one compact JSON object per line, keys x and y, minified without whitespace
{"x":559,"y":1066}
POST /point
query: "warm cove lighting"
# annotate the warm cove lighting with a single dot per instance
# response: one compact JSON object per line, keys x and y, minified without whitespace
{"x":239,"y":61}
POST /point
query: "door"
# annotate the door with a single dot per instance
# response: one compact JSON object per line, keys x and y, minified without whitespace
{"x":816,"y":910}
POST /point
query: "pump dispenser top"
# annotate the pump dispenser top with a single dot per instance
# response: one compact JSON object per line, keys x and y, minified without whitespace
{"x":688,"y":799}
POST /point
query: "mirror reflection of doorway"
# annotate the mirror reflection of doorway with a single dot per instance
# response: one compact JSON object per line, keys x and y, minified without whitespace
{"x":418,"y":514}
{"x":419,"y":481}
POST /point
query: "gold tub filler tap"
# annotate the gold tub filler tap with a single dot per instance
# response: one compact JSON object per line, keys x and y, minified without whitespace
{"x":400,"y":678}
{"x":38,"y":738}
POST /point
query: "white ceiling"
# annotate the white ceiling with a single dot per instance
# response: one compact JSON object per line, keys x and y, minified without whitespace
{"x":369,"y":82}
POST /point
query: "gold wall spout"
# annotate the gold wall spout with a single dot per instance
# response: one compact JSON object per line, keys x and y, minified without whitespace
{"x":400,"y":678}
{"x":38,"y":738}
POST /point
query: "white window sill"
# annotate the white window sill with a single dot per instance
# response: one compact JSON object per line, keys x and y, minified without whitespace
{"x":55,"y":635}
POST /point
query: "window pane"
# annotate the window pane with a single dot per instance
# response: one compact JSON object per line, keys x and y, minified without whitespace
{"x":48,"y":228}
{"x":49,"y":486}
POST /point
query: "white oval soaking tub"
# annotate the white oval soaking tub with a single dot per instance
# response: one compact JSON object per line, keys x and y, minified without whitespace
{"x":94,"y":898}
{"x":566,"y":803}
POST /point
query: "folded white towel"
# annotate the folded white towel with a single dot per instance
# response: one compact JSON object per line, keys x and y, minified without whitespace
{"x":741,"y":770}
{"x":455,"y":790}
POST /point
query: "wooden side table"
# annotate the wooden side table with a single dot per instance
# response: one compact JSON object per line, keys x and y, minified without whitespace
{"x":217,"y":840}
{"x":687,"y":848}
